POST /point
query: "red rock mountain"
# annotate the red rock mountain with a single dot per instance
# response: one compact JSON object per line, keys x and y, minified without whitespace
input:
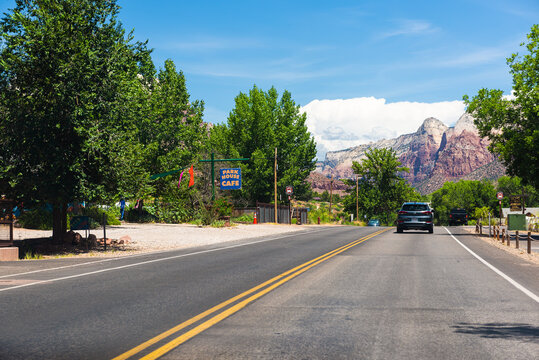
{"x":434,"y":154}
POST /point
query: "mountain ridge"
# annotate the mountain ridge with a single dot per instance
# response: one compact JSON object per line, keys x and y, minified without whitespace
{"x":435,"y":153}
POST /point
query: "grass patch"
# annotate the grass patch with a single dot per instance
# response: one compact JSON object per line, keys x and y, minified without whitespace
{"x":245,"y":218}
{"x":218,"y":224}
{"x":30,"y":255}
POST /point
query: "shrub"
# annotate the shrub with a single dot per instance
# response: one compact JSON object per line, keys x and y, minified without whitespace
{"x":39,"y":218}
{"x":218,"y":224}
{"x":144,"y":216}
{"x":171,"y":213}
{"x":222,"y":207}
{"x":96,"y":212}
{"x":245,"y":218}
{"x":322,"y":213}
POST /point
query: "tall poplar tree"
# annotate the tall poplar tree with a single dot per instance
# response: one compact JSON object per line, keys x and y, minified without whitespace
{"x":259,"y":123}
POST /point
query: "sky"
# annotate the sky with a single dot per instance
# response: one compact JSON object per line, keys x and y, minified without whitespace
{"x":361,"y":70}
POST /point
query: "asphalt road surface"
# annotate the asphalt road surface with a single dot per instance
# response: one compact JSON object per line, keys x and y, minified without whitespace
{"x":330,"y":293}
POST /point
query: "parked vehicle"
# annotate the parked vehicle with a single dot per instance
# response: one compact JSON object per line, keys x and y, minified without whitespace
{"x":458,"y":217}
{"x":415,"y":216}
{"x":374,"y":222}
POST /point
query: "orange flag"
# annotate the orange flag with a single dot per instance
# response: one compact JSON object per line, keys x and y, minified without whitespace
{"x":192,"y":177}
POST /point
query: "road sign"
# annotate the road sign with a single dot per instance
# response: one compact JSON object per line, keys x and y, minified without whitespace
{"x":289,"y":190}
{"x":515,"y":203}
{"x":230,"y":179}
{"x":499,"y":195}
{"x":80,"y":223}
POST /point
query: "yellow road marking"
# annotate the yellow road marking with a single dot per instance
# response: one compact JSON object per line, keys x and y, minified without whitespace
{"x":285,"y":277}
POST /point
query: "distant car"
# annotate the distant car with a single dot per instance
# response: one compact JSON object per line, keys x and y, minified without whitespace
{"x":458,"y":217}
{"x":415,"y":216}
{"x":374,"y":222}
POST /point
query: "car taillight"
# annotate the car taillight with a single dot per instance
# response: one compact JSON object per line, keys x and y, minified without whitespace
{"x":466,"y":216}
{"x":450,"y":216}
{"x":427,"y":212}
{"x":403,"y":212}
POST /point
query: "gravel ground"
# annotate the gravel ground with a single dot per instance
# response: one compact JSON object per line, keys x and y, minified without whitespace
{"x":160,"y":237}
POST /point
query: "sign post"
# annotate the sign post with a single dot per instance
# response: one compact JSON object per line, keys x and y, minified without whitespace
{"x":515,"y":203}
{"x":289,"y":192}
{"x":499,"y":195}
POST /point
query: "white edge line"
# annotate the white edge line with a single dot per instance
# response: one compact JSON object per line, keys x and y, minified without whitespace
{"x":135,"y":264}
{"x":493,"y":268}
{"x":149,"y":253}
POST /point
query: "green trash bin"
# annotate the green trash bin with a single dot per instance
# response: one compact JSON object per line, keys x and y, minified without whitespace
{"x":516,"y":222}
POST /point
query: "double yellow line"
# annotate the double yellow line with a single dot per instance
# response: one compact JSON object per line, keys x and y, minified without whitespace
{"x":264,"y":288}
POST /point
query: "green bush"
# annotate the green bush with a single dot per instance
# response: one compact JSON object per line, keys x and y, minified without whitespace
{"x":170,"y":213}
{"x":144,"y":216}
{"x":39,"y":218}
{"x":218,"y":224}
{"x":245,"y":218}
{"x":321,"y":212}
{"x":96,"y":215}
{"x":222,"y":207}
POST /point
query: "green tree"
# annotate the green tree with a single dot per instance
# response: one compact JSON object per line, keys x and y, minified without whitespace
{"x":171,"y":130}
{"x":67,"y":75}
{"x":465,"y":194}
{"x":259,"y":123}
{"x":513,"y":124}
{"x":380,"y":190}
{"x":482,"y":214}
{"x":512,"y":185}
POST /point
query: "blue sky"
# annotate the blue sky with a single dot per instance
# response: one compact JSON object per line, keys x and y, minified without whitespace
{"x":396,"y":51}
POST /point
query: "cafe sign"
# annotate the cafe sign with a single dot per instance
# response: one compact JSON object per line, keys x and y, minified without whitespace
{"x":230,"y":179}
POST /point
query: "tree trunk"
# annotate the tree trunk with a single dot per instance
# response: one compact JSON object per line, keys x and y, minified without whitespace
{"x":59,"y":222}
{"x":64,"y":218}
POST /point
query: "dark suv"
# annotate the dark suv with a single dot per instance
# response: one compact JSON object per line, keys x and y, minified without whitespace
{"x":415,"y":216}
{"x":458,"y":217}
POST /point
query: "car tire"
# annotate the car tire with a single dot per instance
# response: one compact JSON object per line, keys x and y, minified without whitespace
{"x":399,"y":229}
{"x":431,"y":229}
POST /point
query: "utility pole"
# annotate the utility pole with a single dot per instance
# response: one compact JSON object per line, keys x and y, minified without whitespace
{"x":275,"y":185}
{"x":330,"y":195}
{"x":523,"y":202}
{"x":357,"y":197}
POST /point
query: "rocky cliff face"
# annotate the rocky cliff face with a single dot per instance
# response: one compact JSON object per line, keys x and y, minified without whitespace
{"x":434,"y":154}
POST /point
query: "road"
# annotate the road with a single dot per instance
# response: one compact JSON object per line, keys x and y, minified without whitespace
{"x":301,"y":296}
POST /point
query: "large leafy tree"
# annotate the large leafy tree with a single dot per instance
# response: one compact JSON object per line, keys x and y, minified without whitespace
{"x":381,"y":189}
{"x":513,"y":124}
{"x":465,"y":194}
{"x":259,"y":123}
{"x":68,"y":73}
{"x":170,"y":128}
{"x":513,"y":186}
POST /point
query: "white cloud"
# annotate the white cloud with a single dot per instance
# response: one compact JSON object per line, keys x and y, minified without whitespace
{"x":340,"y":124}
{"x":410,"y":27}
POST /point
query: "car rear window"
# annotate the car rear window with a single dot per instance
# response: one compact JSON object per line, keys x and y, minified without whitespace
{"x":415,"y":207}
